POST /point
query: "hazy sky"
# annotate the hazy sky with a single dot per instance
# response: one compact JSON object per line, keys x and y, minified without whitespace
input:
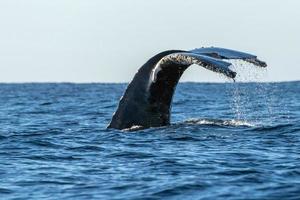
{"x":107,"y":41}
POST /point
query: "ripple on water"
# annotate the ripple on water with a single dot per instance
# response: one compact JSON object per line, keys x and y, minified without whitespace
{"x":54,"y":144}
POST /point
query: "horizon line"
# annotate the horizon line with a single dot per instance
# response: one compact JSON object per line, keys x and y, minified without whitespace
{"x":124,"y":82}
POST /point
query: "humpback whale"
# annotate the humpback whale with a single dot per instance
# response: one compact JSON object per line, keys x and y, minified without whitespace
{"x":147,"y":100}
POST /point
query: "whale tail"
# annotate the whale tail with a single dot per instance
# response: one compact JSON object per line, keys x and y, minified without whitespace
{"x":147,"y":99}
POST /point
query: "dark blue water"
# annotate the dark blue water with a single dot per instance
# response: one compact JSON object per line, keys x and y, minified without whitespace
{"x":226,"y":141}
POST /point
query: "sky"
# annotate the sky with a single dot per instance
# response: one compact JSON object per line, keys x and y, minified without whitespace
{"x":107,"y":41}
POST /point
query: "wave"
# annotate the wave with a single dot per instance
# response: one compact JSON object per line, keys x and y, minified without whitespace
{"x":220,"y":122}
{"x":133,"y":128}
{"x":234,"y":123}
{"x":275,"y":128}
{"x":194,"y":121}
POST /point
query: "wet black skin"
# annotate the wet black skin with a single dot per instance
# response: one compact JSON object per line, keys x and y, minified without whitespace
{"x":145,"y":103}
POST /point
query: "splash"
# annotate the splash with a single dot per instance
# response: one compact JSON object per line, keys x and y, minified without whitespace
{"x":242,"y":105}
{"x":220,"y":122}
{"x":247,"y":72}
{"x":133,"y":128}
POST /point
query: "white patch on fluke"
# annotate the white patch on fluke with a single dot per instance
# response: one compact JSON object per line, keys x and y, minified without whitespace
{"x":187,"y":59}
{"x":154,"y":72}
{"x":178,"y":58}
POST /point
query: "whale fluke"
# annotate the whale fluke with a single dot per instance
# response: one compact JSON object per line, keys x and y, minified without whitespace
{"x":222,"y":53}
{"x":147,"y":99}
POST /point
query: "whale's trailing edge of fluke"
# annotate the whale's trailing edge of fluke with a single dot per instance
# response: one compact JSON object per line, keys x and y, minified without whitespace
{"x":147,"y":99}
{"x":222,"y":53}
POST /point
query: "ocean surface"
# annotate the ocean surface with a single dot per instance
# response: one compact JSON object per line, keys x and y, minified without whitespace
{"x":226,"y":141}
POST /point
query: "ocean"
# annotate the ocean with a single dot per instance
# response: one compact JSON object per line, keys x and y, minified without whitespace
{"x":226,"y":141}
